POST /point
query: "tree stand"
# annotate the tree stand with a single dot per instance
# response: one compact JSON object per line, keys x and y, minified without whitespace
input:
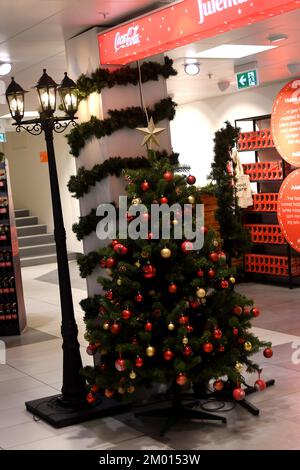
{"x":179,"y":411}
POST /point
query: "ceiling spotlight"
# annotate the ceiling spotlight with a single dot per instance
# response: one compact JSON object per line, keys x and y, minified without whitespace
{"x":5,"y":68}
{"x":223,"y":85}
{"x":294,"y":68}
{"x":192,"y":68}
{"x":277,"y":37}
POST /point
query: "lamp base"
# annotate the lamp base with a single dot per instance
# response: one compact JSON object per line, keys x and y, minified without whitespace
{"x":50,"y":410}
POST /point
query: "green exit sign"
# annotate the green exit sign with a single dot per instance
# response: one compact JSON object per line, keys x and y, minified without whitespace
{"x":247,"y":79}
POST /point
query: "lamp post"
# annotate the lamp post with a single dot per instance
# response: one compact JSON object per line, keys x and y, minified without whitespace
{"x":69,"y":407}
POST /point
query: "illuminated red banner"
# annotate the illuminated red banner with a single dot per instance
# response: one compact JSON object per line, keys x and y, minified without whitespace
{"x":183,"y":23}
{"x":289,"y":209}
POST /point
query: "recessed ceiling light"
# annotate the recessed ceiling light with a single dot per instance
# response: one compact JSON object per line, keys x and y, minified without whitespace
{"x":232,"y":51}
{"x":5,"y":68}
{"x":277,"y":37}
{"x":192,"y":68}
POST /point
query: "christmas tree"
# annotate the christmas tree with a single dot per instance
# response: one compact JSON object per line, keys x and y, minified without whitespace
{"x":169,"y":313}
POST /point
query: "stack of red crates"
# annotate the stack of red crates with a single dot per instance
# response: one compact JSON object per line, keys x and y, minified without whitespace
{"x":265,"y":202}
{"x":273,"y":265}
{"x":255,"y":140}
{"x":266,"y":234}
{"x":264,"y":171}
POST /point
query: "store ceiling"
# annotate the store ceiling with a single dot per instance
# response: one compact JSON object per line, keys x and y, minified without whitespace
{"x":272,"y":65}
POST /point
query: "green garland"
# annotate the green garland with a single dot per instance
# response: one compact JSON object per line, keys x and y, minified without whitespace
{"x":228,"y":214}
{"x":87,"y":263}
{"x":103,"y":78}
{"x":131,"y":117}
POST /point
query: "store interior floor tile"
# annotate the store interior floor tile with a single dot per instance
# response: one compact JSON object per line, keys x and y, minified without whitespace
{"x":34,"y":366}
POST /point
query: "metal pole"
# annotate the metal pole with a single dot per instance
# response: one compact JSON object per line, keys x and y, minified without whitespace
{"x":73,"y":389}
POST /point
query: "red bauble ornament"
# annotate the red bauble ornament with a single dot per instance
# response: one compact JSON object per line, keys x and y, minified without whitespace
{"x":237,"y":310}
{"x":134,"y":341}
{"x":211,"y":273}
{"x":115,"y":328}
{"x":149,"y":271}
{"x":222,"y":257}
{"x":260,"y":385}
{"x":168,"y":176}
{"x":168,"y":355}
{"x":114,"y":242}
{"x":235,"y":331}
{"x":189,"y":329}
{"x":207,"y":347}
{"x":90,"y":398}
{"x":183,"y":320}
{"x":172,"y":288}
{"x":145,"y":186}
{"x":214,"y":257}
{"x":255,"y":312}
{"x":108,"y":393}
{"x":224,"y":284}
{"x":150,"y":235}
{"x":217,"y":333}
{"x":186,"y":247}
{"x":194,"y":303}
{"x":120,"y":249}
{"x":139,"y":297}
{"x":126,"y":314}
{"x":181,"y":379}
{"x":218,"y":385}
{"x":200,"y":273}
{"x":187,"y":351}
{"x":157,"y":313}
{"x":120,"y":365}
{"x":268,"y":353}
{"x":204,"y":229}
{"x":109,"y":294}
{"x":191,"y":180}
{"x":148,"y":326}
{"x":241,"y":340}
{"x":238,"y":394}
{"x":145,"y":216}
{"x":247,"y":311}
{"x":221,"y":349}
{"x":103,"y":263}
{"x":129,"y":217}
{"x":110,"y":262}
{"x":139,"y":362}
{"x":91,"y":349}
{"x":164,"y":200}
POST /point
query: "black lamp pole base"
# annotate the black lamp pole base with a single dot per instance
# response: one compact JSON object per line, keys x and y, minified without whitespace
{"x":51,"y":410}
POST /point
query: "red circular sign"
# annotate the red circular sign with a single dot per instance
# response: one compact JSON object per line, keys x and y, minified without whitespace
{"x":285,"y":123}
{"x":289,"y":209}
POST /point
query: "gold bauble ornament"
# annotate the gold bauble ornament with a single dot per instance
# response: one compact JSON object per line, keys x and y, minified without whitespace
{"x":145,"y":254}
{"x":191,"y":199}
{"x":232,"y":280}
{"x":150,"y":351}
{"x":175,"y":222}
{"x":165,"y":252}
{"x":132,"y":375}
{"x":203,"y":301}
{"x":109,"y":271}
{"x":171,"y":326}
{"x":216,"y":243}
{"x":239,"y":367}
{"x":106,"y":326}
{"x":136,"y":201}
{"x":248,"y":346}
{"x":121,"y":390}
{"x":201,"y":293}
{"x":185,"y":340}
{"x":130,"y":389}
{"x":137,"y":264}
{"x":152,"y":293}
{"x":119,"y":282}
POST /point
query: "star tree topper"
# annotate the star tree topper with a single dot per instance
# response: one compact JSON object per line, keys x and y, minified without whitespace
{"x":150,"y":134}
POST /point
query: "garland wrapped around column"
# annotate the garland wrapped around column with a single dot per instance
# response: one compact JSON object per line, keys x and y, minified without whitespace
{"x":131,"y":117}
{"x":103,"y":78}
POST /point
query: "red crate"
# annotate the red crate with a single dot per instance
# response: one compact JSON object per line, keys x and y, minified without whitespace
{"x":272,"y":265}
{"x":265,"y":202}
{"x":264,"y":171}
{"x":255,"y":140}
{"x":266,"y":234}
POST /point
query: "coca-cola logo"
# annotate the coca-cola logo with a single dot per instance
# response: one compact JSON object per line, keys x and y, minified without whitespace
{"x":131,"y":38}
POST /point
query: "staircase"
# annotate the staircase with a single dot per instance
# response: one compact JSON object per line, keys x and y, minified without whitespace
{"x":35,"y":244}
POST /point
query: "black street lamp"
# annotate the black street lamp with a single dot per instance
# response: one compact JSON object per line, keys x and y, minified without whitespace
{"x":69,"y":407}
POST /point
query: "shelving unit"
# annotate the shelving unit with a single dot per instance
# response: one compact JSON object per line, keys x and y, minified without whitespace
{"x":12,"y":309}
{"x":271,"y":258}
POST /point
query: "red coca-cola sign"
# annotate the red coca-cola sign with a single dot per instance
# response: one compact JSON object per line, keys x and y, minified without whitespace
{"x":183,"y":23}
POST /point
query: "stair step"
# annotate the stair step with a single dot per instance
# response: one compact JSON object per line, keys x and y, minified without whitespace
{"x":21,"y":213}
{"x":27,"y":230}
{"x":39,"y":239}
{"x":43,"y":259}
{"x":37,"y":260}
{"x":37,"y":250}
{"x":23,"y":221}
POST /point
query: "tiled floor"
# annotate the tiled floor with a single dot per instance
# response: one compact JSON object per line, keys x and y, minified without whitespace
{"x":33,"y":370}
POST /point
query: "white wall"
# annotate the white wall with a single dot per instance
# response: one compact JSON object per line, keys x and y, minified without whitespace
{"x":30,"y":180}
{"x":194,"y":126}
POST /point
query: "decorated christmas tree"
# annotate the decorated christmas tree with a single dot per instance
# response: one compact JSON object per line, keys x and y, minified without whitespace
{"x":169,"y":312}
